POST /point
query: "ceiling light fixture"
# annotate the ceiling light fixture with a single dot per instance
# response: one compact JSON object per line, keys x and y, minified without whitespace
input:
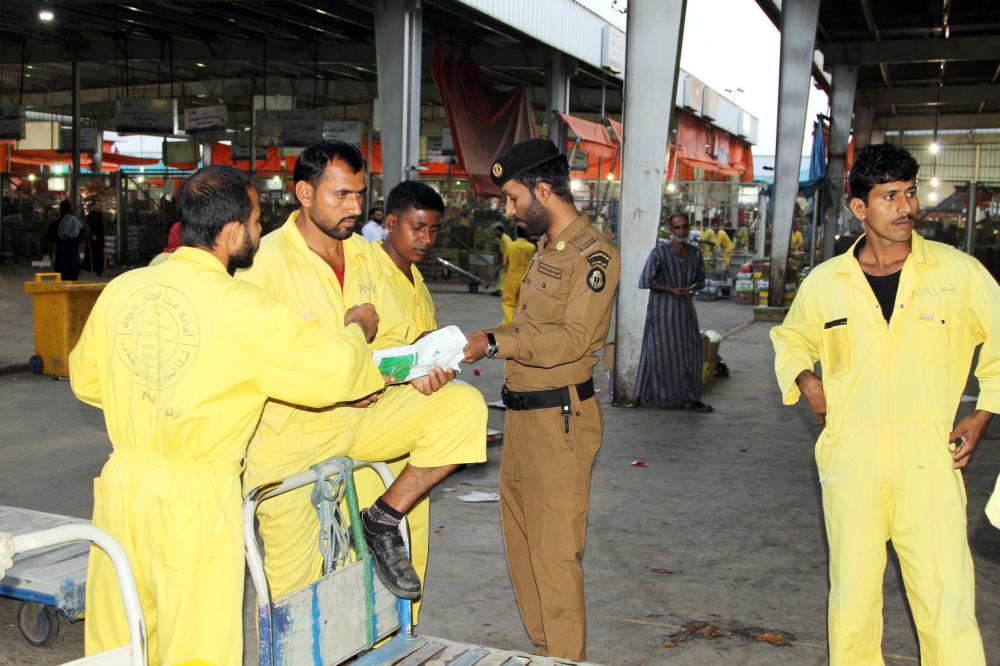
{"x":46,"y":15}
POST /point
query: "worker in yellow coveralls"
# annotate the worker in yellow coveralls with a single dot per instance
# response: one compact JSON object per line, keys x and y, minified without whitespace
{"x":706,"y":240}
{"x":723,"y":242}
{"x":503,"y":242}
{"x":413,"y":222}
{"x":519,"y":254}
{"x":181,"y":358}
{"x":894,"y":323}
{"x":315,"y":264}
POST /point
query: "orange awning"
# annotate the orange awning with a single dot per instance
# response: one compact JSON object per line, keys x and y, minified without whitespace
{"x":594,"y":139}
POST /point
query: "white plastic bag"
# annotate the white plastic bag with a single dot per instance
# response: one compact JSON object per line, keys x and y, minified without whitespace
{"x":444,"y":347}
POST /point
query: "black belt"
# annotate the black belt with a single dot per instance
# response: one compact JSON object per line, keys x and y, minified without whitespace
{"x":560,"y":397}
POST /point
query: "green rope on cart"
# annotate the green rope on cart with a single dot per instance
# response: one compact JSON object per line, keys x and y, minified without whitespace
{"x":335,"y":538}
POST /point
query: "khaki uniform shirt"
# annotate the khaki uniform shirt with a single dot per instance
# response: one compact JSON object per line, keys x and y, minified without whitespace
{"x":565,"y":311}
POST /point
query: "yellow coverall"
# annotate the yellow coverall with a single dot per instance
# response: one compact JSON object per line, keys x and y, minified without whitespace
{"x":797,"y":241}
{"x":707,"y":242}
{"x":892,"y":392}
{"x":505,"y":242}
{"x":181,"y":358}
{"x":517,"y":259}
{"x":724,"y":243}
{"x":446,"y":428}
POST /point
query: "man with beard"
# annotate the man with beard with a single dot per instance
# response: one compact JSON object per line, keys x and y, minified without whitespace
{"x":670,"y":365}
{"x":894,"y":324}
{"x":316,"y":264}
{"x":553,"y":425}
{"x":181,"y":358}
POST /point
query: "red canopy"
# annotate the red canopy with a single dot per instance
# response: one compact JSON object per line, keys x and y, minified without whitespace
{"x":594,"y":139}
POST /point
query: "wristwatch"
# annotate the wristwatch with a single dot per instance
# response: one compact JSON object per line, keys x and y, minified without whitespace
{"x":492,"y":348}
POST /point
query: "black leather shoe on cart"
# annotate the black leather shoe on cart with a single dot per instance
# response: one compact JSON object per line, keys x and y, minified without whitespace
{"x":392,"y":564}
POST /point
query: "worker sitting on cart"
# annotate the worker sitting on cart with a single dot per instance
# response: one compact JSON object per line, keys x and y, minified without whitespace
{"x":315,"y":264}
{"x":518,"y":257}
{"x":181,"y":358}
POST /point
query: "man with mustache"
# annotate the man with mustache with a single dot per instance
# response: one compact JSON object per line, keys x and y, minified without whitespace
{"x":316,"y":264}
{"x":181,"y":359}
{"x":894,"y":324}
{"x":553,"y":425}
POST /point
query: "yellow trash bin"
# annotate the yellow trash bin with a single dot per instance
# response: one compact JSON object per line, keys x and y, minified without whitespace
{"x":61,"y":309}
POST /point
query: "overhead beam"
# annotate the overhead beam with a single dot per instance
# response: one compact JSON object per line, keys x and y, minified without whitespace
{"x":772,"y":10}
{"x":970,"y":94}
{"x":910,"y":50}
{"x":963,"y":121}
{"x":190,"y":51}
{"x":229,"y":89}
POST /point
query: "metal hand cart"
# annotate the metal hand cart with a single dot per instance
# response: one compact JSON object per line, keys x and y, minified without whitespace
{"x":49,"y":577}
{"x":330,"y":622}
{"x":475,"y":282}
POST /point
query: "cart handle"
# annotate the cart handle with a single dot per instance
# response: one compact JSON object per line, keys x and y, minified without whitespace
{"x":123,"y":570}
{"x":48,"y":277}
{"x":255,"y":561}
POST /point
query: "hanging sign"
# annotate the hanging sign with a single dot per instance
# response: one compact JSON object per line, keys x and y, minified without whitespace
{"x":146,"y":116}
{"x":348,"y":131}
{"x":199,"y":119}
{"x":289,"y":128}
{"x":12,"y":122}
{"x":180,"y":152}
{"x":90,"y":140}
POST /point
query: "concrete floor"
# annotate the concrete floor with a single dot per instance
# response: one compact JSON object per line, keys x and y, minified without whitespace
{"x":723,"y":527}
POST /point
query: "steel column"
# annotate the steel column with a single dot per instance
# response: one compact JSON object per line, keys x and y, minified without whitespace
{"x":398,"y":45}
{"x":75,"y":177}
{"x":970,"y":219}
{"x":864,"y":122}
{"x":557,"y":94}
{"x":845,"y":79}
{"x":798,"y":36}
{"x":653,"y":46}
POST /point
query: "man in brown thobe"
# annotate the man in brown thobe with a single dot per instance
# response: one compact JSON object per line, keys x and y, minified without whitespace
{"x":553,"y":424}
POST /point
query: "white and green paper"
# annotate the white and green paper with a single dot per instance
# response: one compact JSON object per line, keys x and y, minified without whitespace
{"x":444,"y":347}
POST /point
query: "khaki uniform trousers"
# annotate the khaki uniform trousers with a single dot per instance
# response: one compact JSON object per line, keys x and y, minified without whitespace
{"x":544,"y":500}
{"x":446,"y":428}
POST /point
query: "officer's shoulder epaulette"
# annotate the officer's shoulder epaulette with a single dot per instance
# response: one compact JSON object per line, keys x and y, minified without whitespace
{"x":593,"y":248}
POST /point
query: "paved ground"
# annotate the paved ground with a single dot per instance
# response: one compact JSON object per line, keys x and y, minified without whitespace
{"x":723,"y":527}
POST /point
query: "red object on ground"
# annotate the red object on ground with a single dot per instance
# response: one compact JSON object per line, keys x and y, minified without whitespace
{"x":639,"y":463}
{"x":477,"y":372}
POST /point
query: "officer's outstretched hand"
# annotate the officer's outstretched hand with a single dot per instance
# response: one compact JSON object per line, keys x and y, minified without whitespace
{"x":811,"y":387}
{"x":433,"y":380}
{"x":363,"y":315}
{"x":476,"y":347}
{"x":966,"y":436}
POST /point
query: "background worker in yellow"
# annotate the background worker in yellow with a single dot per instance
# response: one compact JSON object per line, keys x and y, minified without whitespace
{"x":503,"y":242}
{"x":894,"y":324}
{"x":181,"y":358}
{"x":517,"y":259}
{"x":318,"y":266}
{"x":413,"y":222}
{"x":553,"y":425}
{"x":723,"y":242}
{"x":706,"y":240}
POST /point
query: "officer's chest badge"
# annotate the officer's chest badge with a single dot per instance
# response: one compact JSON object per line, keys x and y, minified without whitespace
{"x":595,"y":279}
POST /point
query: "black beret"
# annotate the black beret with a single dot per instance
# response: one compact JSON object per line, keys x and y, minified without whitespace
{"x":523,"y":156}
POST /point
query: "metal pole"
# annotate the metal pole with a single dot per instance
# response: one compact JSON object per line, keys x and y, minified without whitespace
{"x":798,"y":37}
{"x":970,"y":217}
{"x":845,"y":79}
{"x":75,"y":178}
{"x":817,"y":202}
{"x":253,"y":132}
{"x":762,"y":226}
{"x":653,"y":45}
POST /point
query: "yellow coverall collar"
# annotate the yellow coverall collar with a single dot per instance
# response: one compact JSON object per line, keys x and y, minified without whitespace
{"x":920,"y":250}
{"x":297,"y":242}
{"x":197,"y":256}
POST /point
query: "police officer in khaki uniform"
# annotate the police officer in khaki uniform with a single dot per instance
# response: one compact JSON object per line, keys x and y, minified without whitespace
{"x":553,"y":425}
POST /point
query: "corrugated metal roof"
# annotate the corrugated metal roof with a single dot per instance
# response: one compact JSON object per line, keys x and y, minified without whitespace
{"x":564,"y":25}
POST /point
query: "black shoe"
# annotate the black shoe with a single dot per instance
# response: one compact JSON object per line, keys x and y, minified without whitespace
{"x":392,"y":564}
{"x":699,"y":406}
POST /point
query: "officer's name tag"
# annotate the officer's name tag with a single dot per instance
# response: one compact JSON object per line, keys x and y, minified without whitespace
{"x":551,"y":271}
